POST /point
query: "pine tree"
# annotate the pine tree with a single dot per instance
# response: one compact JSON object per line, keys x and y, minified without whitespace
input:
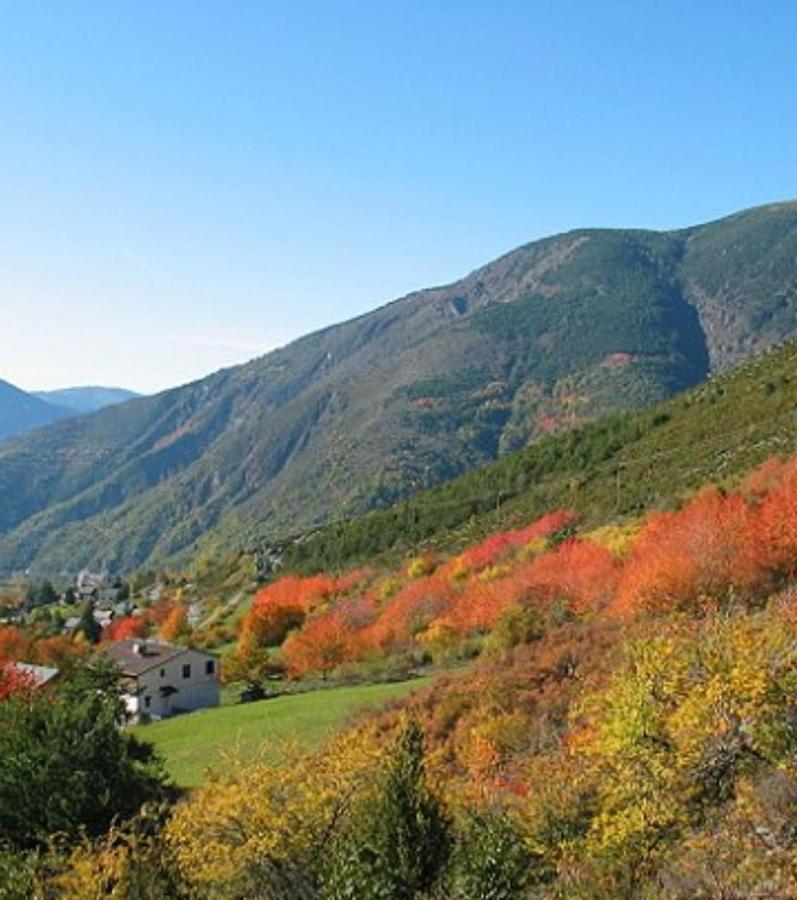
{"x":400,"y":841}
{"x":88,"y":626}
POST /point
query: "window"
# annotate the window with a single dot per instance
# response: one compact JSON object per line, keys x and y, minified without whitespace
{"x":147,"y":701}
{"x":210,"y":667}
{"x":163,"y":673}
{"x":187,"y":670}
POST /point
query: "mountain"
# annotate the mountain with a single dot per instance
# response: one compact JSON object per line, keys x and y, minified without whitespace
{"x":547,"y":337}
{"x":608,"y":470}
{"x":83,"y":400}
{"x":21,"y":412}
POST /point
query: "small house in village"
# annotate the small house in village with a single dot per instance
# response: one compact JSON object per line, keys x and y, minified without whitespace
{"x":36,"y":676}
{"x":98,"y":587}
{"x":88,"y":584}
{"x":160,"y":679}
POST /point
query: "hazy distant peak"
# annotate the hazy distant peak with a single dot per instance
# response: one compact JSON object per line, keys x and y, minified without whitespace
{"x":86,"y":399}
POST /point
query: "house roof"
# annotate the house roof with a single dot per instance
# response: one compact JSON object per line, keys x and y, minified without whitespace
{"x":38,"y":674}
{"x":135,"y":656}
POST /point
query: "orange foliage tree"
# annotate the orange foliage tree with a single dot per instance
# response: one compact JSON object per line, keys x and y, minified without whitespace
{"x":127,"y":627}
{"x":328,"y":639}
{"x":704,"y":549}
{"x":580,"y":573}
{"x":175,"y":624}
{"x":480,"y":605}
{"x":15,"y":644}
{"x":774,"y":532}
{"x":59,"y":651}
{"x":410,"y":612}
{"x":281,"y":606}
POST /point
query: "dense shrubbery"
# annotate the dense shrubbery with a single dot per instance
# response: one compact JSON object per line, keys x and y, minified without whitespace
{"x":718,"y":545}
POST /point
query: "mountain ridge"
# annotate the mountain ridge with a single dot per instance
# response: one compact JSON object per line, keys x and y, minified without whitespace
{"x":21,"y":411}
{"x":548,"y":336}
{"x":86,"y":398}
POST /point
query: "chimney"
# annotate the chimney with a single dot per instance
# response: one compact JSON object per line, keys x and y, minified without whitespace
{"x":138,"y":647}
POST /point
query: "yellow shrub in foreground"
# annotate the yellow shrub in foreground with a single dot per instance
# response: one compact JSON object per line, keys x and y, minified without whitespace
{"x":263,"y":815}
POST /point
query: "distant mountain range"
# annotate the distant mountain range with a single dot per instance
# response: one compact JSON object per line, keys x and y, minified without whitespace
{"x":553,"y":334}
{"x":86,"y":399}
{"x":21,"y":411}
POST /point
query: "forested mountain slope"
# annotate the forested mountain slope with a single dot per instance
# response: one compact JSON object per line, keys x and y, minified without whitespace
{"x":360,"y":414}
{"x":606,"y":470}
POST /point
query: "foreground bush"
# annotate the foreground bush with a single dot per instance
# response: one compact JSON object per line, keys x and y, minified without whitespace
{"x":66,"y":766}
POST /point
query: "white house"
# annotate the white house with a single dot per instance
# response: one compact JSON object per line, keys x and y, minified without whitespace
{"x":162,"y":679}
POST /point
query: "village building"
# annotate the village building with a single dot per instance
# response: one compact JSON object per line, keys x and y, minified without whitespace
{"x":88,"y":584}
{"x":37,"y":676}
{"x":103,"y":617}
{"x":161,"y":680}
{"x":71,"y":624}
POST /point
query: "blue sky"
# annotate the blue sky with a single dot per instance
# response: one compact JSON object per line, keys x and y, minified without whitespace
{"x":188,"y":184}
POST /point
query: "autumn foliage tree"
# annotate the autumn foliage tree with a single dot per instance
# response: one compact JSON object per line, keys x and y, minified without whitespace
{"x":281,"y":606}
{"x":775,"y":533}
{"x":494,"y":547}
{"x":581,"y":574}
{"x":704,"y":549}
{"x":15,"y":644}
{"x":126,"y":628}
{"x":327,"y":640}
{"x":14,"y":681}
{"x":176,"y":623}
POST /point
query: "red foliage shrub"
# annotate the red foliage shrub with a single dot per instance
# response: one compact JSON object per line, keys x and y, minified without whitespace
{"x":13,"y":681}
{"x":283,"y":605}
{"x":481,"y":604}
{"x":578,"y":572}
{"x":270,"y":624}
{"x":494,"y":547}
{"x":410,"y":611}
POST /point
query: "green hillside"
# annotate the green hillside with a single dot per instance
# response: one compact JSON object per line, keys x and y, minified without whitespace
{"x":608,"y":469}
{"x":363,"y":414}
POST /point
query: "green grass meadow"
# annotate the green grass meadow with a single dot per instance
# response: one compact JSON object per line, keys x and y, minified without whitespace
{"x":197,"y":742}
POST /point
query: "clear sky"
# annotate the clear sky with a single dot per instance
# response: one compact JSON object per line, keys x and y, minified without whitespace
{"x":185,"y":185}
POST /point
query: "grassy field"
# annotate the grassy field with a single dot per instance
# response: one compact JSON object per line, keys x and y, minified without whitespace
{"x":191,"y":744}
